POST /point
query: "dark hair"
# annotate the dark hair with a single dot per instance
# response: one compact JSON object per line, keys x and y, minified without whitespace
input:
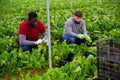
{"x":78,"y":13}
{"x":32,"y":15}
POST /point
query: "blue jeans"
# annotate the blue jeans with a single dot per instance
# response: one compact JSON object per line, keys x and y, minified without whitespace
{"x":70,"y":39}
{"x":27,"y":47}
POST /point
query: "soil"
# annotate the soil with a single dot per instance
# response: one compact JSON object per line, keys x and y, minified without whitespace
{"x":33,"y":73}
{"x":6,"y":77}
{"x":37,"y":71}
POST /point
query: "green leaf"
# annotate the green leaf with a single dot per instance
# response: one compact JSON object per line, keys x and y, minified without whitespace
{"x":77,"y":69}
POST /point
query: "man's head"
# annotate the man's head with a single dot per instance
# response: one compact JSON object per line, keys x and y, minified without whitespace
{"x":33,"y":19}
{"x":77,"y":16}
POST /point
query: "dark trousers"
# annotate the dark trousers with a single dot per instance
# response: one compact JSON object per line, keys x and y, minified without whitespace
{"x":27,"y":47}
{"x":70,"y":39}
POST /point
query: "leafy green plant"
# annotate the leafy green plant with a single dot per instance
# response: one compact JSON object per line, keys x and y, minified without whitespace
{"x":102,"y":22}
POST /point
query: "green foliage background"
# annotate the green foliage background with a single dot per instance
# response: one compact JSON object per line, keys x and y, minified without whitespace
{"x":102,"y":18}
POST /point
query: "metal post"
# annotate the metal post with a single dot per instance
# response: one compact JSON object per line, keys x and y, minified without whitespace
{"x":49,"y":42}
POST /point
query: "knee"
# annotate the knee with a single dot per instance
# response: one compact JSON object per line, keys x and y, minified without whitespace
{"x":69,"y":39}
{"x":25,"y":48}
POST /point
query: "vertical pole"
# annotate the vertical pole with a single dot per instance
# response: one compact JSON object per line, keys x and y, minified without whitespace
{"x":49,"y":42}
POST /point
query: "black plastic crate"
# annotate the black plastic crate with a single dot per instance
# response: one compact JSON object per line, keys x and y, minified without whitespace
{"x":108,"y":60}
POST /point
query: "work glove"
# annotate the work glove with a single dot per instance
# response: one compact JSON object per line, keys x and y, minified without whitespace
{"x":87,"y":38}
{"x":81,"y":36}
{"x":45,"y":41}
{"x":39,"y":41}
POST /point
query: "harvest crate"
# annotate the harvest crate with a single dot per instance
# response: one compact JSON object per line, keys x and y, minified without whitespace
{"x":108,"y":60}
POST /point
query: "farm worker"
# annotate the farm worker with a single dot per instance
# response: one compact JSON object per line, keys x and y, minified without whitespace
{"x":73,"y":26}
{"x":29,"y":31}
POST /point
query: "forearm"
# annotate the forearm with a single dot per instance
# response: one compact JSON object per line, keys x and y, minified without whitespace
{"x":23,"y":41}
{"x":73,"y":34}
{"x":70,"y":32}
{"x":84,"y":31}
{"x":45,"y":35}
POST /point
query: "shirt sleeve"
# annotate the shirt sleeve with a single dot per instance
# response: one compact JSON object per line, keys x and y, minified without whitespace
{"x":23,"y":41}
{"x":69,"y":29}
{"x":84,"y":31}
{"x":45,"y":35}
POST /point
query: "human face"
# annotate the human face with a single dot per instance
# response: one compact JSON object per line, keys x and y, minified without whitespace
{"x":33,"y":22}
{"x":77,"y":19}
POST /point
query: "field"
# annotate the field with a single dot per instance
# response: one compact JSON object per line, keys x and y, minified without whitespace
{"x":102,"y":18}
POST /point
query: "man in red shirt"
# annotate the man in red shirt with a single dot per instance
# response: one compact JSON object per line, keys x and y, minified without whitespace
{"x":29,"y":32}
